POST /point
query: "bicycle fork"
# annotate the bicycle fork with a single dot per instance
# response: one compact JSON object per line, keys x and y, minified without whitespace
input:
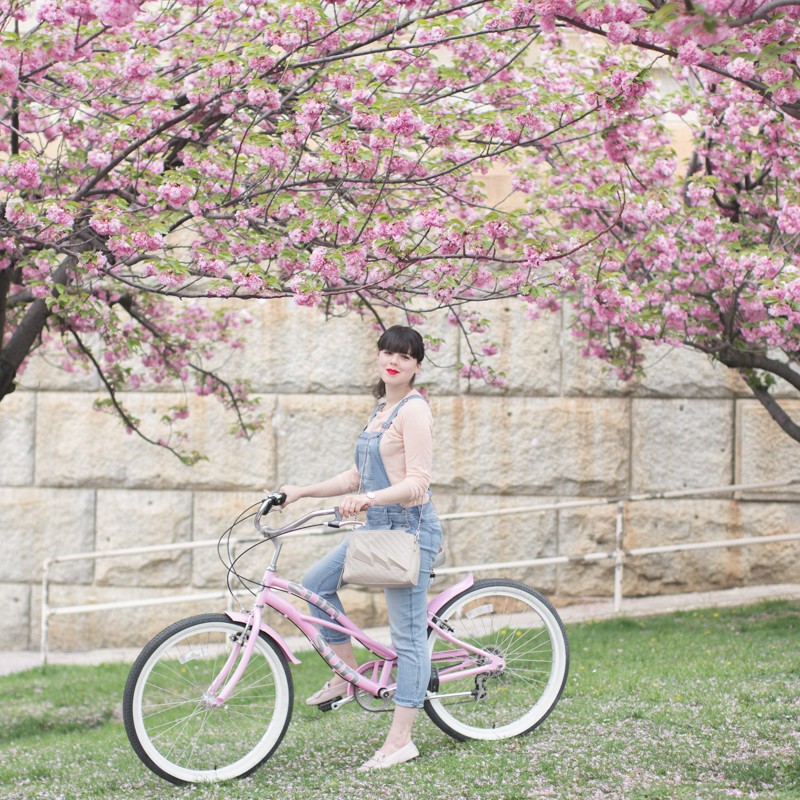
{"x":222,"y":686}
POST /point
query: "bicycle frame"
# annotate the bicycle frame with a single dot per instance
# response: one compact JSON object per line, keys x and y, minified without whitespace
{"x":469,"y":660}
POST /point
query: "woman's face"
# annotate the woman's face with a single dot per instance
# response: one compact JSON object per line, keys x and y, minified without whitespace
{"x":397,"y":369}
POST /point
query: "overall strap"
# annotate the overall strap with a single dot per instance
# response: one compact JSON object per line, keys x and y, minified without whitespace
{"x":389,"y":421}
{"x":374,"y":412}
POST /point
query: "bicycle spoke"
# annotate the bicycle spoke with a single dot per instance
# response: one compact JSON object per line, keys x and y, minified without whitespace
{"x":172,"y":722}
{"x":512,"y":621}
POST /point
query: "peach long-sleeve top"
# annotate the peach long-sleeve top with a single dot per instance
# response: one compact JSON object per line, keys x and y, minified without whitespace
{"x":406,"y":449}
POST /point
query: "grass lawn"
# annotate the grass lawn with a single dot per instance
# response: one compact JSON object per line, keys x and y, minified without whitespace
{"x":700,"y":705}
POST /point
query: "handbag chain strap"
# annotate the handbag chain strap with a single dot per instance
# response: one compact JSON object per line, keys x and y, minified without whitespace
{"x":361,"y":484}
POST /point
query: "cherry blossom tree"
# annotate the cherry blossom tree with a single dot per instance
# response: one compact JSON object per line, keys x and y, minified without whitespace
{"x":160,"y":157}
{"x":704,"y":255}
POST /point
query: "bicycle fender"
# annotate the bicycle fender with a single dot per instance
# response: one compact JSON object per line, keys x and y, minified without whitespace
{"x":273,"y":634}
{"x":437,"y":602}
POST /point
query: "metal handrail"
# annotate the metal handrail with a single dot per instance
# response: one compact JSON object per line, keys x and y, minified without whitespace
{"x":618,"y":554}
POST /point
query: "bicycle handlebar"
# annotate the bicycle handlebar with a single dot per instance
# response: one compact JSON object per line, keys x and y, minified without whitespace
{"x":278,"y":499}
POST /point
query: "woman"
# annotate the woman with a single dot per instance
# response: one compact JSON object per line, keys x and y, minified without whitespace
{"x":390,"y":482}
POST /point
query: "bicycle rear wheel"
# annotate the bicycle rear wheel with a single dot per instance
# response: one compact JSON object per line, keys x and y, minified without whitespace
{"x":510,"y":619}
{"x":185,"y":739}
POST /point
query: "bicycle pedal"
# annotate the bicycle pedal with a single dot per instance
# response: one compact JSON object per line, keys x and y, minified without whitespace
{"x":329,"y":705}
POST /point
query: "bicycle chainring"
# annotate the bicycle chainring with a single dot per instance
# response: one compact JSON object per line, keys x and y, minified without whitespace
{"x":371,"y":703}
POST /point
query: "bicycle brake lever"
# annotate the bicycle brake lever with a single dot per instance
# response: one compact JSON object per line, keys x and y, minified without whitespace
{"x":337,"y":522}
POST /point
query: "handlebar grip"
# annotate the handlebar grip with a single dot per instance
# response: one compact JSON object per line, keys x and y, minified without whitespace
{"x":272,"y":499}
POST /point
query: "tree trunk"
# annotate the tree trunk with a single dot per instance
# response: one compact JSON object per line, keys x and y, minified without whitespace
{"x":25,"y":336}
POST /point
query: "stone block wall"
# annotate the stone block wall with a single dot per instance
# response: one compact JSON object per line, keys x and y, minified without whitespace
{"x":72,"y":480}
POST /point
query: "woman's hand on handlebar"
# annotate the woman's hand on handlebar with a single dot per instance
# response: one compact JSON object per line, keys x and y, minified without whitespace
{"x":292,"y":493}
{"x":352,"y":504}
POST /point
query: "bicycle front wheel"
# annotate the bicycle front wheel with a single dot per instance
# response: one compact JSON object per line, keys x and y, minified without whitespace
{"x":173,"y":727}
{"x":509,"y":619}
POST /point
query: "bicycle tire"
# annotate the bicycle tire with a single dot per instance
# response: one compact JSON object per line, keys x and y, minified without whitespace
{"x":179,"y":736}
{"x":517,"y":622}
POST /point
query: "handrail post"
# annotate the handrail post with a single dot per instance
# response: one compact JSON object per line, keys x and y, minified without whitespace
{"x":45,"y":609}
{"x":618,"y":555}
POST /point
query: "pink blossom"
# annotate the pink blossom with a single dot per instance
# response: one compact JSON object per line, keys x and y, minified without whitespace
{"x":304,"y":15}
{"x":26,"y":174}
{"x":18,"y":215}
{"x":740,"y":68}
{"x":261,"y":63}
{"x":98,"y":159}
{"x":515,"y":280}
{"x":224,"y":17}
{"x":137,"y":68}
{"x":430,"y":218}
{"x":176,"y":194}
{"x":79,"y":9}
{"x":689,"y":54}
{"x":146,"y":241}
{"x":249,"y":281}
{"x":533,"y":257}
{"x":621,"y":33}
{"x":60,"y":215}
{"x":431,"y":35}
{"x":365,"y":120}
{"x":52,"y":13}
{"x":107,"y":225}
{"x":322,"y":265}
{"x":451,"y":241}
{"x":264,"y":98}
{"x":95,"y":263}
{"x":9,"y":77}
{"x":121,"y":247}
{"x":343,"y":81}
{"x":213,"y":266}
{"x":483,"y":278}
{"x":355,"y":262}
{"x":403,"y":124}
{"x":775,"y":75}
{"x":396,"y":230}
{"x":117,"y":13}
{"x":789,"y":219}
{"x":310,"y":113}
{"x":384,"y":71}
{"x":225,"y":67}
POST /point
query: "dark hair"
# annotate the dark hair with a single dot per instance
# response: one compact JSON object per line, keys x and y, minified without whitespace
{"x":399,"y":339}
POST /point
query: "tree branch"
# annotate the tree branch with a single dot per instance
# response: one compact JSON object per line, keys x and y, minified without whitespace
{"x":129,"y":421}
{"x":5,"y":286}
{"x":775,"y":410}
{"x":790,"y":109}
{"x":742,"y":359}
{"x":762,"y":13}
{"x":168,"y":348}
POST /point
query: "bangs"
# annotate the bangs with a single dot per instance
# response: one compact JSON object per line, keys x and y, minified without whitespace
{"x":399,"y":339}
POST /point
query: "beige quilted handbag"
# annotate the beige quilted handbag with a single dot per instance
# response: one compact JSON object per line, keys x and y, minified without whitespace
{"x":382,"y":559}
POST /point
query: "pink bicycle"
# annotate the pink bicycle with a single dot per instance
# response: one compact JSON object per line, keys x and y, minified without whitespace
{"x":210,"y":697}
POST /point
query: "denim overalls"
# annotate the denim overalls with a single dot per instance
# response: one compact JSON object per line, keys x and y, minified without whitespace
{"x":407,"y":608}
